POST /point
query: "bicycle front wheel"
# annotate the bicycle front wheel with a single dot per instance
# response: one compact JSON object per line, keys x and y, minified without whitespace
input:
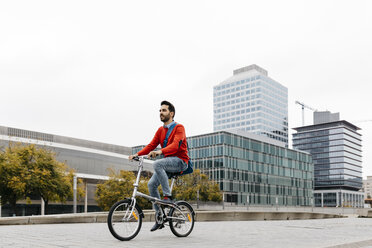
{"x":124,"y":224}
{"x":181,"y":220}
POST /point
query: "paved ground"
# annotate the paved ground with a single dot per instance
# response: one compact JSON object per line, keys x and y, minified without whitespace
{"x":346,"y":232}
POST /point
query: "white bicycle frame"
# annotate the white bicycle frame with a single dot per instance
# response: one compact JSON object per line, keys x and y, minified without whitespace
{"x":150,"y":198}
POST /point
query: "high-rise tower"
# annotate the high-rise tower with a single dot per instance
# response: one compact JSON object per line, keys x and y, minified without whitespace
{"x":253,"y":102}
{"x":335,"y":146}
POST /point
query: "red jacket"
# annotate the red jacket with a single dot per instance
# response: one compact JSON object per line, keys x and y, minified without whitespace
{"x":177,"y":144}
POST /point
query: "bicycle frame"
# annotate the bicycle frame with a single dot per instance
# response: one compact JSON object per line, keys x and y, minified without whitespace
{"x":136,"y":184}
{"x":150,"y":198}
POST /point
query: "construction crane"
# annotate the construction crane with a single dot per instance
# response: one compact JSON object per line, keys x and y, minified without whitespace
{"x":303,"y":105}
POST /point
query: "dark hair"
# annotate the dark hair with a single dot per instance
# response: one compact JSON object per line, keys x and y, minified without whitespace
{"x":170,"y":107}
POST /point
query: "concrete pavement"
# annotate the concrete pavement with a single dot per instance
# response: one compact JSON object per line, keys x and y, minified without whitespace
{"x":340,"y":232}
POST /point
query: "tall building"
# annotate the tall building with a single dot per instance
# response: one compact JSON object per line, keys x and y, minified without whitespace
{"x":251,"y":169}
{"x":253,"y":102}
{"x":335,"y":146}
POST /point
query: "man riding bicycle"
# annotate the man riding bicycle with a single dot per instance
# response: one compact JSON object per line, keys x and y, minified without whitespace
{"x":174,"y":149}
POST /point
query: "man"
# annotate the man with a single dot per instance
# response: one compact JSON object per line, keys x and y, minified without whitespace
{"x":174,"y":151}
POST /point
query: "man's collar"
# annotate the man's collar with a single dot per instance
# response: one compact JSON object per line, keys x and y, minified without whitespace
{"x":170,"y":124}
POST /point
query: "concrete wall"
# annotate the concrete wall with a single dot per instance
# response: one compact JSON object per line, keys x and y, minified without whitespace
{"x":149,"y":217}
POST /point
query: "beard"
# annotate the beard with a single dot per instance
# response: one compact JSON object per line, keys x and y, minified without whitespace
{"x":165,"y":118}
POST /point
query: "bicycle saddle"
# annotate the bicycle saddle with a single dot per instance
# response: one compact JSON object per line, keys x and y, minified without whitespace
{"x":174,"y":174}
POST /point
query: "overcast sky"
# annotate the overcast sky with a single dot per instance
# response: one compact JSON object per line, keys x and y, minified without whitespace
{"x":98,"y":70}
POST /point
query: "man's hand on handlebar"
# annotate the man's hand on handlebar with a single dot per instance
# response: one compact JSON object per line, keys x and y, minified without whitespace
{"x":133,"y":156}
{"x":154,"y":154}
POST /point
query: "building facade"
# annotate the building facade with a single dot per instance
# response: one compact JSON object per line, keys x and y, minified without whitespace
{"x":253,"y":102}
{"x":82,"y":155}
{"x":336,"y":150}
{"x":251,"y":170}
{"x":88,"y":158}
{"x":367,"y":187}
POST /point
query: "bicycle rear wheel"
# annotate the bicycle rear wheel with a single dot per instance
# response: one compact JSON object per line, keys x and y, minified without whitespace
{"x":122,"y":222}
{"x":181,"y":221}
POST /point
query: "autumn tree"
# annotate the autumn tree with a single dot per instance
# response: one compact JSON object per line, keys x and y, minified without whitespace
{"x":187,"y":186}
{"x":48,"y":179}
{"x":119,"y":187}
{"x":13,"y":177}
{"x":31,"y":170}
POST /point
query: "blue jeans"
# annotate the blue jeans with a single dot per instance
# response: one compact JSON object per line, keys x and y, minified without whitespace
{"x":161,"y":167}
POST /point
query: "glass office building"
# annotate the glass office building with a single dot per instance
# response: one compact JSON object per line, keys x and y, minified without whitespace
{"x":251,"y":170}
{"x":253,"y":102}
{"x":337,"y":155}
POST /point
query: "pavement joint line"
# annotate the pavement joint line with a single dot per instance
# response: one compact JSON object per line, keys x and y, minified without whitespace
{"x":307,"y":227}
{"x":359,"y":244}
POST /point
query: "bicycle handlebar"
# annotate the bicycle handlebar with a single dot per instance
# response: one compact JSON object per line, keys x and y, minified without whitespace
{"x":138,"y":158}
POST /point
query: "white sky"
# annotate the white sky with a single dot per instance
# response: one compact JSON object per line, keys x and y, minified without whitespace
{"x":98,"y":70}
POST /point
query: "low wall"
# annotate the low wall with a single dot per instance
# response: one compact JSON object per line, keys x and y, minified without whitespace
{"x":272,"y":208}
{"x":367,"y":215}
{"x":245,"y":215}
{"x":149,"y":216}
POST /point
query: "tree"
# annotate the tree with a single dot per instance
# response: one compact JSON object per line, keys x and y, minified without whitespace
{"x":48,"y":179}
{"x":12,"y":178}
{"x":187,"y":187}
{"x":30,"y":170}
{"x":119,"y":187}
